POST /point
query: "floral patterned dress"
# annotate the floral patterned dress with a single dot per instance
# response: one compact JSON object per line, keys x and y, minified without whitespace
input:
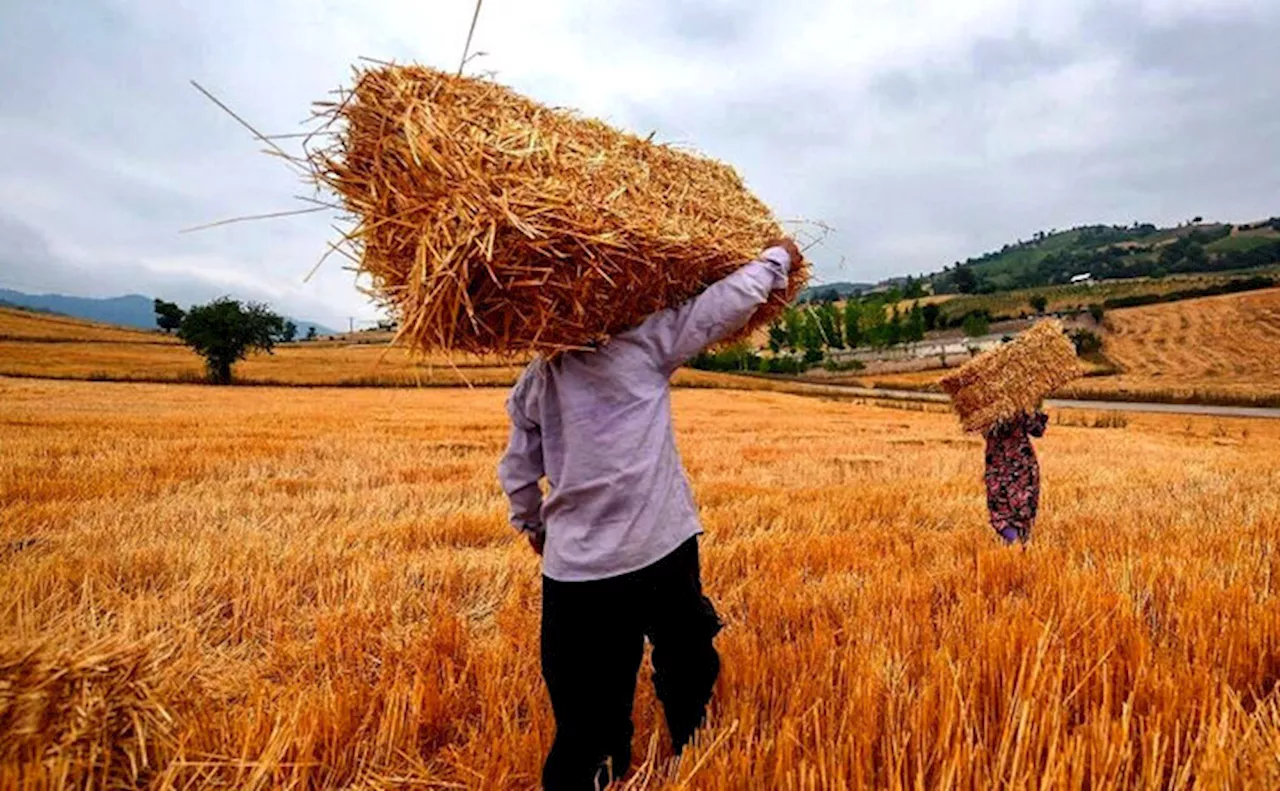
{"x":1013,"y":475}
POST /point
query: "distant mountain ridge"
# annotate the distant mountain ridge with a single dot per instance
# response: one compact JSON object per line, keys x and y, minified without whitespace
{"x":130,"y":310}
{"x":841,"y":288}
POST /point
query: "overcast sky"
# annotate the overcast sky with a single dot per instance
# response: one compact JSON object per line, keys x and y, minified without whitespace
{"x":923,"y":131}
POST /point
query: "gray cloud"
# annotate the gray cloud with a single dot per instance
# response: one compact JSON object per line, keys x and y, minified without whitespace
{"x":29,"y":263}
{"x":924,"y":163}
{"x":26,"y":261}
{"x":924,"y":131}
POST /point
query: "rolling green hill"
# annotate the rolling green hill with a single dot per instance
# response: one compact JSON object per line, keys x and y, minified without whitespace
{"x":1115,"y":252}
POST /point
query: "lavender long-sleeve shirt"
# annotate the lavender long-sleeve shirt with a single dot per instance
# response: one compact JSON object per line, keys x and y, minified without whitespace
{"x":597,"y":425}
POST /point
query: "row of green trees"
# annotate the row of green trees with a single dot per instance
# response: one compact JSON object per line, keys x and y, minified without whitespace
{"x":910,"y":288}
{"x":1107,"y":253}
{"x":803,"y":336}
{"x":225,"y":331}
{"x":815,"y":328}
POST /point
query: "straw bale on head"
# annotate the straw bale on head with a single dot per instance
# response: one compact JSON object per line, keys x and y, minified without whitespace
{"x":489,"y":223}
{"x":1013,"y":378}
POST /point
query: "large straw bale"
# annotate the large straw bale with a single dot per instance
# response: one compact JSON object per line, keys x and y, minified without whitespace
{"x":1013,"y":378}
{"x":489,"y":223}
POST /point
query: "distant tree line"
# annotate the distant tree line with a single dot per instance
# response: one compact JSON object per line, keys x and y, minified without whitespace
{"x":1108,"y":252}
{"x":909,"y":287}
{"x":963,"y":278}
{"x":805,"y":335}
{"x":873,"y":323}
{"x":1273,"y":224}
{"x":1229,"y":287}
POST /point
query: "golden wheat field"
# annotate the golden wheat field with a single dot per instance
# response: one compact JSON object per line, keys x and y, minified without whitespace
{"x":1214,"y":350}
{"x":29,"y":348}
{"x":29,"y":325}
{"x":1080,"y":296}
{"x":289,"y":364}
{"x":1228,"y":344}
{"x":48,"y":346}
{"x":316,"y":588}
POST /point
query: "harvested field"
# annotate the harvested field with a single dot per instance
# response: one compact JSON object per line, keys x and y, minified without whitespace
{"x":309,"y":365}
{"x":31,"y":325}
{"x":1228,"y":344}
{"x":1080,"y":296}
{"x":1213,"y":350}
{"x":291,"y":364}
{"x":356,"y":361}
{"x":1222,"y":349}
{"x":261,"y":587}
{"x":60,"y":347}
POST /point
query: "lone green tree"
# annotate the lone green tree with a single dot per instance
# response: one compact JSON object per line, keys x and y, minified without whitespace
{"x":1039,"y":303}
{"x":225,"y":331}
{"x":965,"y":279}
{"x":976,"y":325}
{"x":931,"y":315}
{"x":777,"y":336}
{"x":811,"y":338}
{"x":168,"y":315}
{"x":853,"y":324}
{"x":793,"y":323}
{"x":893,"y":330}
{"x":829,"y":324}
{"x":913,"y":331}
{"x":290,"y":332}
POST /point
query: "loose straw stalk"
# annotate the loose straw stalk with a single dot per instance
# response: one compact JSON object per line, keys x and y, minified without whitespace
{"x":1013,"y":378}
{"x":491,"y":224}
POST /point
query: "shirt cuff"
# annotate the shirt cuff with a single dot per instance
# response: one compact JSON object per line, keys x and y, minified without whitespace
{"x":779,"y":256}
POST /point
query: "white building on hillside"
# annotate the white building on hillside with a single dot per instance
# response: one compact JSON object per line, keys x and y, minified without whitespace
{"x":1085,"y":278}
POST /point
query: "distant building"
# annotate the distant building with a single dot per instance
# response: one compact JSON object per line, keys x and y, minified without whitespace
{"x":1086,"y":278}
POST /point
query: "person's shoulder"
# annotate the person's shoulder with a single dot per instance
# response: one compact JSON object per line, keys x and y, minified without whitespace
{"x":534,"y":371}
{"x":524,"y":395}
{"x":533,"y":368}
{"x":528,"y":380}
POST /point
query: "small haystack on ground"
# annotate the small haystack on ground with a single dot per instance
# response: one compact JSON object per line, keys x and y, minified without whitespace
{"x":489,"y":223}
{"x":87,"y":715}
{"x":1014,"y":378}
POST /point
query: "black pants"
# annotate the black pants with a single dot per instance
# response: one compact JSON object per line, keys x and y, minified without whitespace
{"x":592,"y":642}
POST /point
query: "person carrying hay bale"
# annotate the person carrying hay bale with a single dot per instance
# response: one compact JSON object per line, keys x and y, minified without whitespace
{"x":618,"y":530}
{"x":487,"y":223}
{"x":999,"y":394}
